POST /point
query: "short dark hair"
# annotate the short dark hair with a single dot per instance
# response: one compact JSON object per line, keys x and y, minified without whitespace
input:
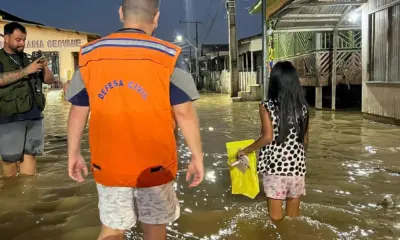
{"x":144,"y":10}
{"x":9,"y":28}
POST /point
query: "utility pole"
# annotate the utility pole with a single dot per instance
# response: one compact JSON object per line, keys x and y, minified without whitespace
{"x":197,"y":47}
{"x":265,"y":72}
{"x":233,"y":50}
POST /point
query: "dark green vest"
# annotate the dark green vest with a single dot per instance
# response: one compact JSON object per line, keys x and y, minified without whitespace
{"x":23,"y":95}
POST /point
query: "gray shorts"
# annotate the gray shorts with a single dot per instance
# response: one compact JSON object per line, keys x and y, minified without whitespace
{"x":19,"y":138}
{"x":121,"y":207}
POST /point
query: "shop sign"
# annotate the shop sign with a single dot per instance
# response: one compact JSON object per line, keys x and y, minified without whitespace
{"x":66,"y":43}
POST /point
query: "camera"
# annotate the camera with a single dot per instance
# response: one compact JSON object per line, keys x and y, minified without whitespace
{"x":36,"y":55}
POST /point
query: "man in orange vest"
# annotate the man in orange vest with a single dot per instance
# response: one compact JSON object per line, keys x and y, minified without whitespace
{"x":138,"y":86}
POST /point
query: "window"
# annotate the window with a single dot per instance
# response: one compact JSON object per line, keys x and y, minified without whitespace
{"x":384,"y":45}
{"x":394,"y":44}
{"x":54,"y":62}
{"x":53,"y":59}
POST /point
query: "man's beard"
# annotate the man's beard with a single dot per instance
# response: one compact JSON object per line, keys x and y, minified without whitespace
{"x":17,"y":49}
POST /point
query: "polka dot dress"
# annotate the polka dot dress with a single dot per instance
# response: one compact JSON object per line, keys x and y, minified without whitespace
{"x":287,"y":159}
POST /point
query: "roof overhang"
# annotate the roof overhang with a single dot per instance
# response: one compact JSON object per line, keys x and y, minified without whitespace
{"x":11,"y":17}
{"x":311,"y":15}
{"x":91,"y":35}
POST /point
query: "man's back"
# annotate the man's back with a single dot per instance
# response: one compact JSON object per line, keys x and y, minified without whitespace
{"x":136,"y":88}
{"x":131,"y":124}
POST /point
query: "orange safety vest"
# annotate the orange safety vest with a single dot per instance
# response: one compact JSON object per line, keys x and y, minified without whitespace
{"x":131,"y":128}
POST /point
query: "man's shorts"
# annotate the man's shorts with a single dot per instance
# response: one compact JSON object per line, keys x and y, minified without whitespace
{"x":121,"y":207}
{"x":19,"y":138}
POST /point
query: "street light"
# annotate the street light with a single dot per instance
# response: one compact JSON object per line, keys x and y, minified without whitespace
{"x":179,"y":38}
{"x":354,"y":16}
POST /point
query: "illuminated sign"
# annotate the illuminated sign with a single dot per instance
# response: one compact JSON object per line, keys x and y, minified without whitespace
{"x":66,"y":43}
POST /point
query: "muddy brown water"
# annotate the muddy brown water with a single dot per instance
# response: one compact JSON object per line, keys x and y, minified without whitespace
{"x":353,"y":164}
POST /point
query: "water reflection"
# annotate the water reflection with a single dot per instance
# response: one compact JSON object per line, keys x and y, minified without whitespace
{"x":352,"y":167}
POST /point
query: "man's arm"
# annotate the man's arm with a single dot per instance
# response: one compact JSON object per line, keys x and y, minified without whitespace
{"x":78,"y":96}
{"x":7,"y":78}
{"x":188,"y":122}
{"x":76,"y":124}
{"x":182,"y":94}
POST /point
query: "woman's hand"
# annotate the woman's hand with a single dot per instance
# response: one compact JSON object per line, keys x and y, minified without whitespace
{"x":241,"y":153}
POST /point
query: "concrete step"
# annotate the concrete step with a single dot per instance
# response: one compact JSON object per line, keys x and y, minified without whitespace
{"x":253,"y":95}
{"x":246,"y":96}
{"x":244,"y":93}
{"x":237,"y":99}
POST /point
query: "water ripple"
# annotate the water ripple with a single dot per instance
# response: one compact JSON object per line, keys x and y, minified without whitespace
{"x":352,"y":183}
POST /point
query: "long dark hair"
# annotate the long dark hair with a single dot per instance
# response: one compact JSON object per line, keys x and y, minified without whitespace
{"x":285,"y":90}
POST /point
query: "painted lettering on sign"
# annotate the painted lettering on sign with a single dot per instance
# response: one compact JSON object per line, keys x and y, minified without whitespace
{"x":66,"y":43}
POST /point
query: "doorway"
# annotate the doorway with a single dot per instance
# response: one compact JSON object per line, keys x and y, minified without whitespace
{"x":75,"y":56}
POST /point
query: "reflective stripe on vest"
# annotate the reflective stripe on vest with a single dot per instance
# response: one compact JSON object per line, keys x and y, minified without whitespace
{"x":129,"y":43}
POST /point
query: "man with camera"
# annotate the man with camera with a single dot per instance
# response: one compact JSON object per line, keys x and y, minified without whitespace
{"x":21,"y":103}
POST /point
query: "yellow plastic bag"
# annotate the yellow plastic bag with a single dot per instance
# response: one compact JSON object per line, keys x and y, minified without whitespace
{"x":243,"y":183}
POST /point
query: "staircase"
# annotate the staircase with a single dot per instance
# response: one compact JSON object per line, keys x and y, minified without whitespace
{"x":254,"y":93}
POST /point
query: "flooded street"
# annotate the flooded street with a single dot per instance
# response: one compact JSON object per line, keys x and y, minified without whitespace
{"x":352,"y":165}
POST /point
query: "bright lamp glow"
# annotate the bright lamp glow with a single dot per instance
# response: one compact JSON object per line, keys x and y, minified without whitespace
{"x":354,"y":16}
{"x":179,"y":38}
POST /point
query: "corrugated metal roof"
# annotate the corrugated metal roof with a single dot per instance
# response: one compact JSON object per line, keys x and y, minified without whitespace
{"x":8,"y":17}
{"x":312,"y":14}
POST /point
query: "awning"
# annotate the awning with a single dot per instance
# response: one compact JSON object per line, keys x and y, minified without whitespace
{"x":311,"y":15}
{"x":273,"y":6}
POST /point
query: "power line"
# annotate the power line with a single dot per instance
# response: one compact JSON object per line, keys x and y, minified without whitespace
{"x":207,"y":17}
{"x":212,"y":22}
{"x":197,"y":30}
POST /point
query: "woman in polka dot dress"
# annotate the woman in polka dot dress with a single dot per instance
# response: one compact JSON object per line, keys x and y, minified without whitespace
{"x":283,"y":141}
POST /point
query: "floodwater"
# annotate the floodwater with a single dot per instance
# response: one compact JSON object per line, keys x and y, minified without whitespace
{"x":352,"y":165}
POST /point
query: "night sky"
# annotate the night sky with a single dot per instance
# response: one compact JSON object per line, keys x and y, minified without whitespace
{"x":101,"y":16}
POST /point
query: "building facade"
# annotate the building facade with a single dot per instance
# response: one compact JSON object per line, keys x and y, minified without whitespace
{"x":381,"y":59}
{"x":249,"y":66}
{"x":60,"y":46}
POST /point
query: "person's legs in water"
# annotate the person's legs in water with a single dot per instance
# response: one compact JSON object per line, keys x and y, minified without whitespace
{"x":275,"y":210}
{"x":111,"y":234}
{"x":34,"y":146}
{"x":296,"y":188}
{"x":28,"y":165}
{"x":279,"y":188}
{"x":10,"y":169}
{"x":275,"y":191}
{"x":12,"y":142}
{"x":117,"y":211}
{"x":154,"y":231}
{"x":157,"y":206}
{"x":293,"y":207}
